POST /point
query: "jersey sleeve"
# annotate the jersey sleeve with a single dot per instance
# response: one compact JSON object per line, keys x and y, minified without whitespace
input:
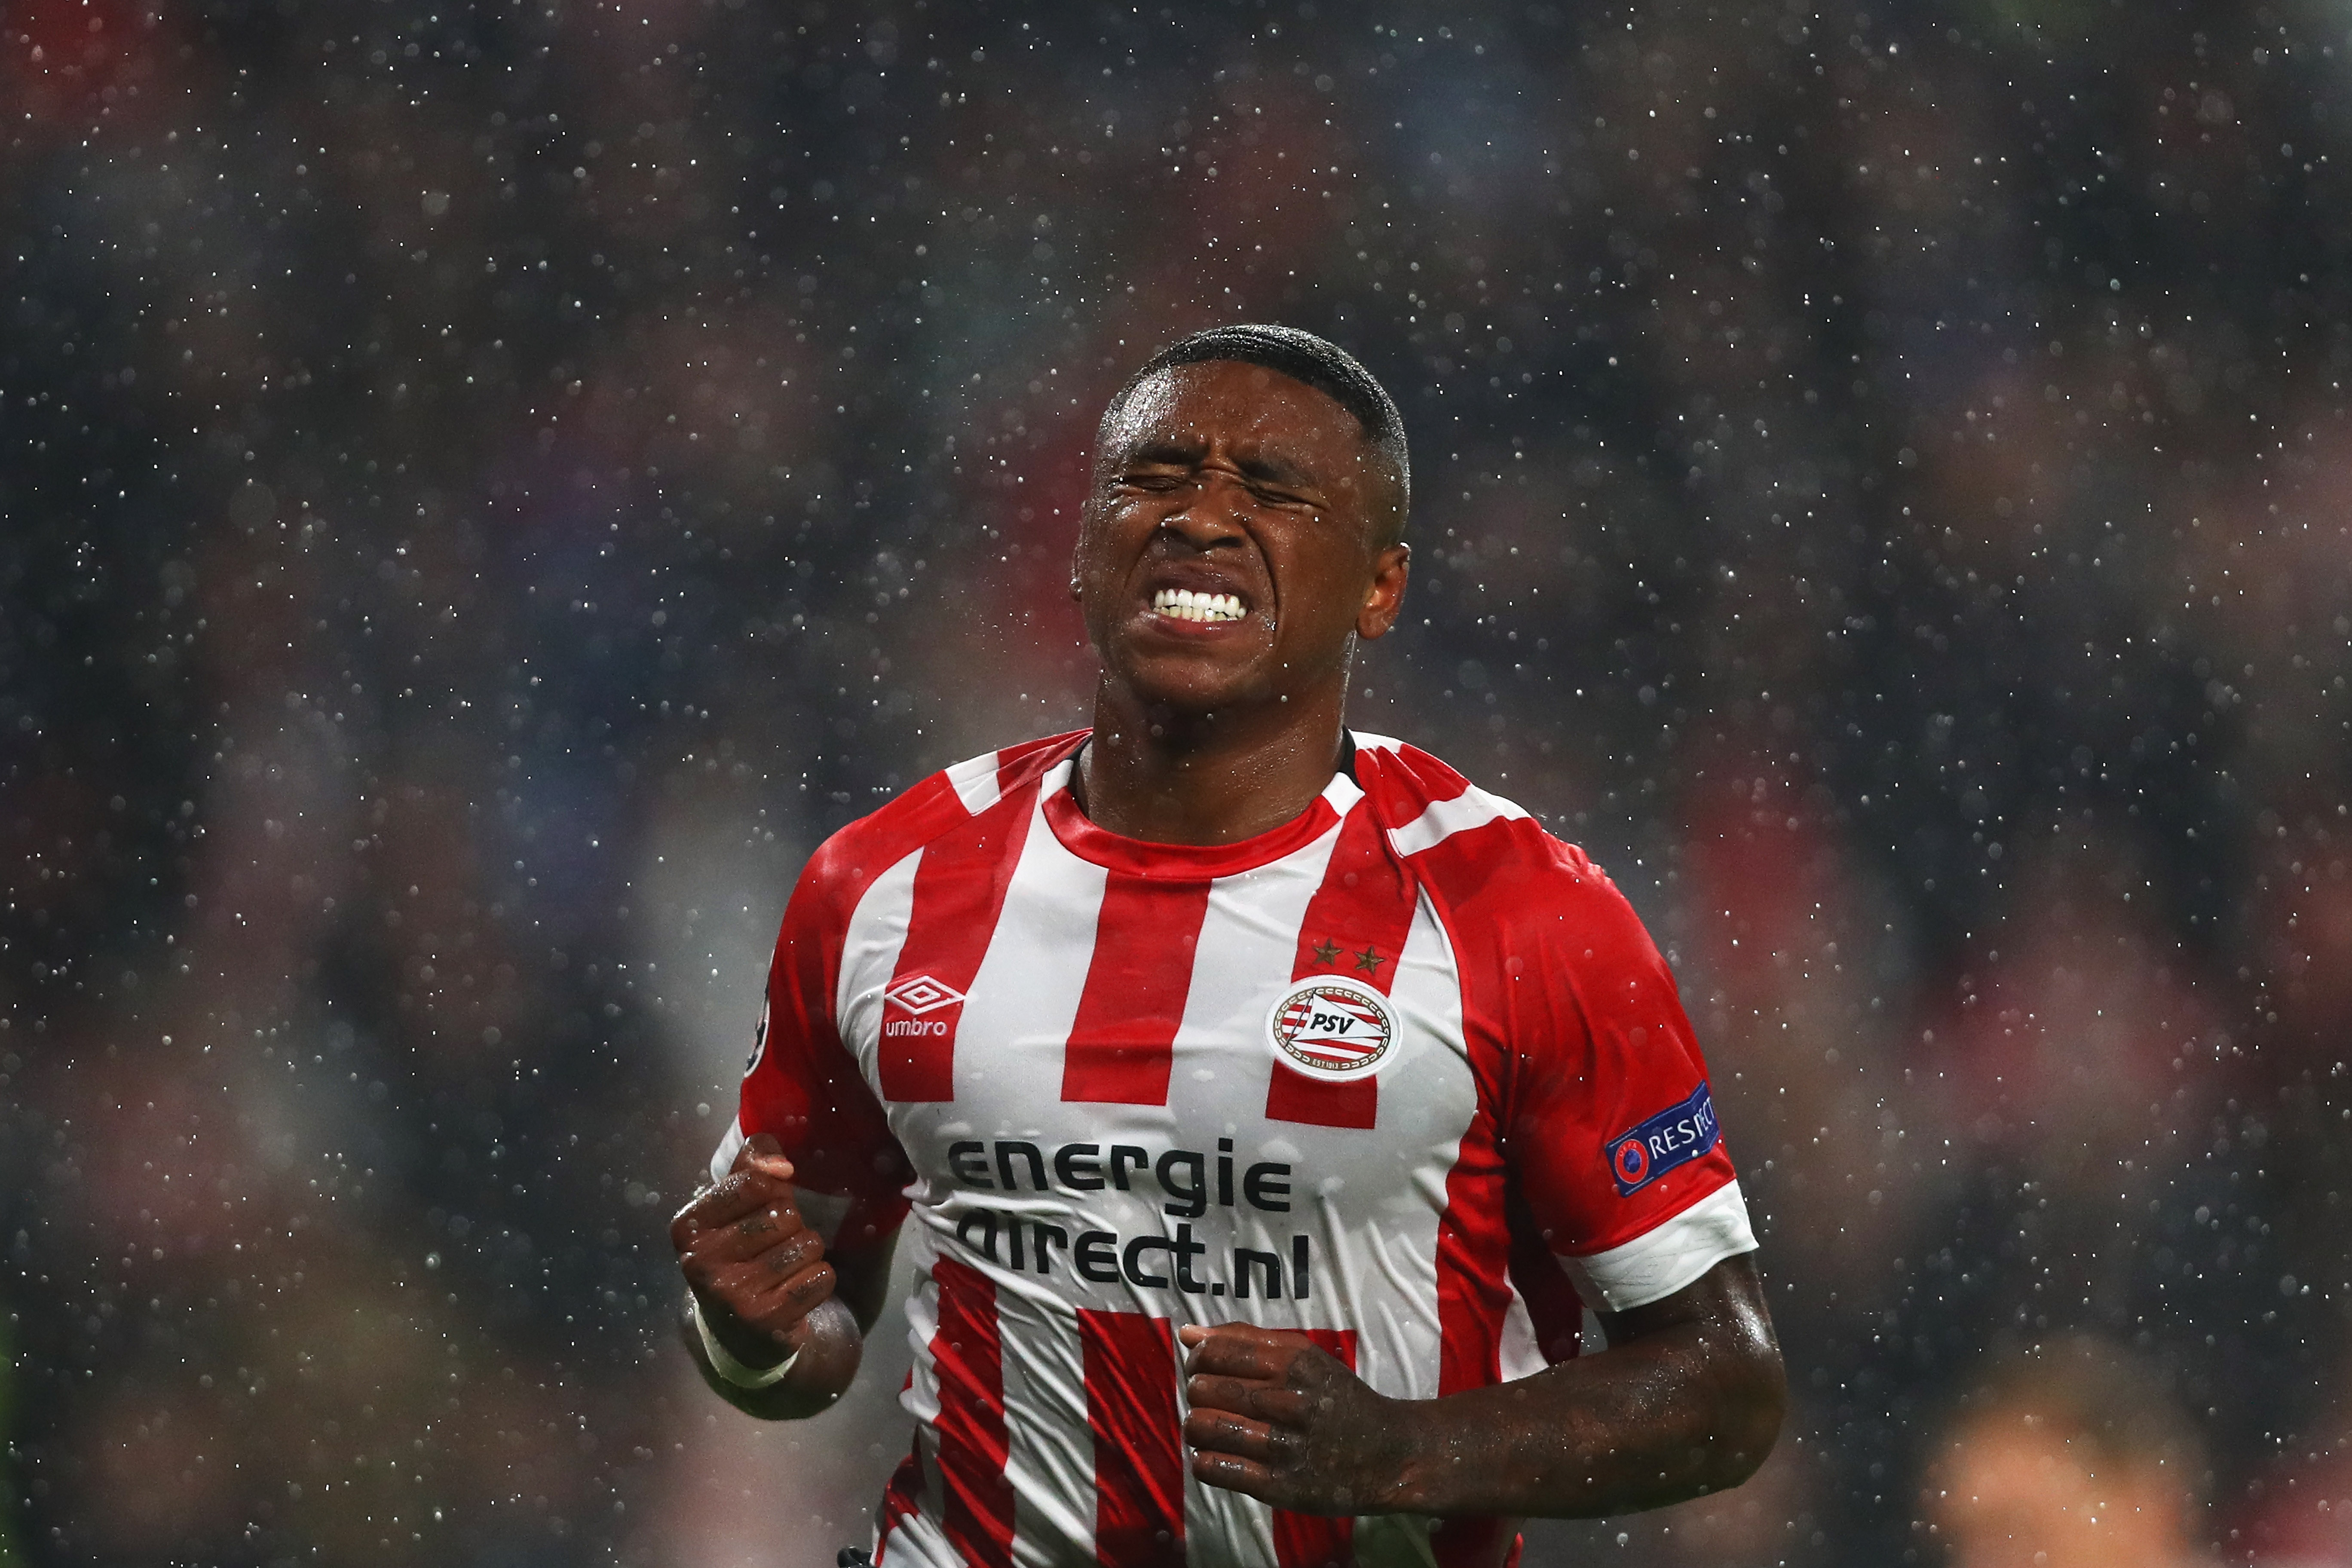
{"x":1610,"y":1129}
{"x":803,"y":1084}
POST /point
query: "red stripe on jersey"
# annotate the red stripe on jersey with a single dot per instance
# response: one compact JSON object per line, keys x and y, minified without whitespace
{"x":1131,"y":1371}
{"x":1313,"y":1540}
{"x":968,"y":1354}
{"x":1122,"y":1045}
{"x":959,"y":886}
{"x":1355,"y":925}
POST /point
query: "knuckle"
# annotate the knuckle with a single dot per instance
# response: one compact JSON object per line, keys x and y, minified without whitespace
{"x":775,"y":1316}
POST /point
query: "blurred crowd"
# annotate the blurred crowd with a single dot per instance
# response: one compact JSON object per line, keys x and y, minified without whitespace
{"x":485,"y":490}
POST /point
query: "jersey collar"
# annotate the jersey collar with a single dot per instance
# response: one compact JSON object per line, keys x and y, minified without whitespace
{"x":1191,"y":862}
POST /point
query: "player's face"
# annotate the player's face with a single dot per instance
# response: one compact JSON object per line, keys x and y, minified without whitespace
{"x":1230,"y":549}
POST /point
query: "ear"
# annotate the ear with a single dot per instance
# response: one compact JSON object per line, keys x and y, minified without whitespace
{"x":1385,"y":598}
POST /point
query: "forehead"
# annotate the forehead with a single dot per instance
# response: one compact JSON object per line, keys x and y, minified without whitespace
{"x":1236,"y":402}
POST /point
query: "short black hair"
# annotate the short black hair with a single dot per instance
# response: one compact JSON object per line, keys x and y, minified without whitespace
{"x":1303,"y":357}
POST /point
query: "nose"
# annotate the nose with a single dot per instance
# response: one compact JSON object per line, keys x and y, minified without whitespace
{"x":1210,"y":513}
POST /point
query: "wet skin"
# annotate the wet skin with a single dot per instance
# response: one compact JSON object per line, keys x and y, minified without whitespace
{"x":1226,"y":477}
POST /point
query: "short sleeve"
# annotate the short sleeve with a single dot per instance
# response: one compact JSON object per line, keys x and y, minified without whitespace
{"x":803,"y":1086}
{"x":1611,"y":1125}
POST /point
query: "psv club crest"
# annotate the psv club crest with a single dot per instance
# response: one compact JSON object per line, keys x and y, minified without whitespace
{"x":1332,"y":1028}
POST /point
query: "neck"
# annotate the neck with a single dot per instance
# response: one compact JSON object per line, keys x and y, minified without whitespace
{"x":1206,"y":778}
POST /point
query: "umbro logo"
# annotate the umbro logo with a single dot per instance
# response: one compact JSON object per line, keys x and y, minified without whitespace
{"x":919,"y":994}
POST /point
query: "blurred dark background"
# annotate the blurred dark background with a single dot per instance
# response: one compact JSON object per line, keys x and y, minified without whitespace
{"x":484,"y":489}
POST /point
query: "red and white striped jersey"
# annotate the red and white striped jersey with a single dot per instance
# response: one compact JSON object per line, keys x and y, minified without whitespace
{"x":1405,"y":1074}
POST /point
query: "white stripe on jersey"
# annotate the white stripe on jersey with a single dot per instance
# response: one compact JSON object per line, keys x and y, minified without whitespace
{"x":1027,"y":988}
{"x":1662,"y":1260}
{"x":869,"y":956}
{"x":1383,"y":1261}
{"x":1049,"y":1460}
{"x":722,"y":1159}
{"x":1443,"y":819}
{"x":916,"y":1540}
{"x":975,"y":783}
{"x":1251,"y":928}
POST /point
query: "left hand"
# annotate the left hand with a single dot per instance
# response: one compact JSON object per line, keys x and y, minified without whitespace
{"x":1276,"y":1417}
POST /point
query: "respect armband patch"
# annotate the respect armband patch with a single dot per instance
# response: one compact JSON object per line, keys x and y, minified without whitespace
{"x":1673,"y":1137}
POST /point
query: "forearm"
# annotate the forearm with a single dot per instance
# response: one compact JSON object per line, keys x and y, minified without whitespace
{"x":826,"y":1363}
{"x":1641,"y":1426}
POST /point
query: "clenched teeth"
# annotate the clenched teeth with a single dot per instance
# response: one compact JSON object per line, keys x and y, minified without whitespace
{"x":1183,"y":605}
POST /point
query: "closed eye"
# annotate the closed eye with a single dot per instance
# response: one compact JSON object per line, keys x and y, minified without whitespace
{"x":1274,"y":495}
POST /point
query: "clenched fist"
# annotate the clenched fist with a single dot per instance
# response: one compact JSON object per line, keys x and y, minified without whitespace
{"x":1276,"y":1417}
{"x":761,"y":1279}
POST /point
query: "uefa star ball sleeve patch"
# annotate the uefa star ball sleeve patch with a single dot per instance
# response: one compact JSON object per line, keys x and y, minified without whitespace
{"x":1666,"y":1141}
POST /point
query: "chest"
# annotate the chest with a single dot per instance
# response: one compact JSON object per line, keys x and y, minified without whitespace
{"x":1207,"y":1028}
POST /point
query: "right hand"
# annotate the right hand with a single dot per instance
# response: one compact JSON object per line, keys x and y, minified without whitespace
{"x":757,"y":1270}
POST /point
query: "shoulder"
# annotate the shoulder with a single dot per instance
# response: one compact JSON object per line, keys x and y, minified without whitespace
{"x":1490,"y":868}
{"x":1464,"y":842}
{"x":848,"y":862}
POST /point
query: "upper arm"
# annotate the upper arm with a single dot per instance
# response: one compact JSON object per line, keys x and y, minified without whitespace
{"x":1613,"y":1141}
{"x":1720,"y":1328}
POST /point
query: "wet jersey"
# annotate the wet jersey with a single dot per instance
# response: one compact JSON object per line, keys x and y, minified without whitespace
{"x":1405,"y":1075}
